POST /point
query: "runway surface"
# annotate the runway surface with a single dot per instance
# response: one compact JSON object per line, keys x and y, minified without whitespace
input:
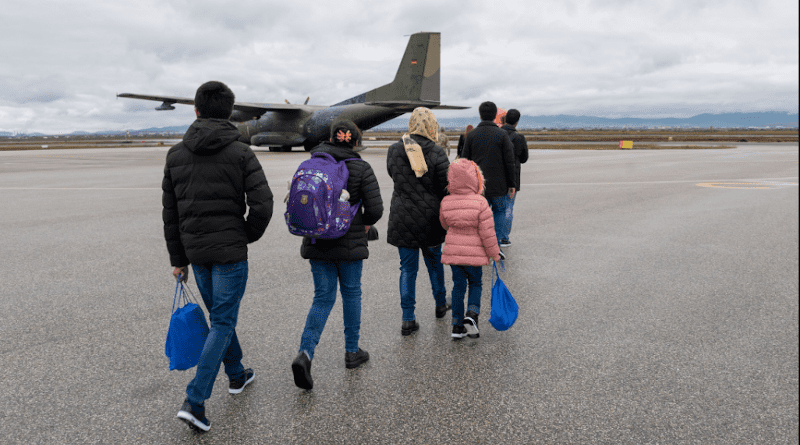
{"x":658,"y":295}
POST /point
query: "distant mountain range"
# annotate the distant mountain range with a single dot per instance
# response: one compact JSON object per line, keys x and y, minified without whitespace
{"x":726,"y":120}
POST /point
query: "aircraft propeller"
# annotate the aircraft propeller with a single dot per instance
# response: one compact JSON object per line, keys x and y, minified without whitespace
{"x":304,"y":103}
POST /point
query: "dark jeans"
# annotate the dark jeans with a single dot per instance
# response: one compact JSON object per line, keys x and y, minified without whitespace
{"x":327,"y":275}
{"x":499,"y":204}
{"x":409,"y":265}
{"x":222,"y":288}
{"x":510,"y":216}
{"x":463,"y":275}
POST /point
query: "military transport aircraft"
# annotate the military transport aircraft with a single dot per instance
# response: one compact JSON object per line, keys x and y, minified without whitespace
{"x":283,"y":126}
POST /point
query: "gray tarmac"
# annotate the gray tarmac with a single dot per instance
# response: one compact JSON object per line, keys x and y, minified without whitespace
{"x":658,"y":295}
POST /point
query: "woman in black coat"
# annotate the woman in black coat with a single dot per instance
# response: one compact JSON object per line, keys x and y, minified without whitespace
{"x":418,"y":168}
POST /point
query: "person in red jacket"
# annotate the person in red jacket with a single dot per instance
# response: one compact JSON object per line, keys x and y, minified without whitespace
{"x":470,"y":242}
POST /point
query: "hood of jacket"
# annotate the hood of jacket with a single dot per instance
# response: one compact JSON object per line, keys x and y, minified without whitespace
{"x":209,"y":136}
{"x":338,"y":152}
{"x":465,"y":178}
{"x":509,"y":128}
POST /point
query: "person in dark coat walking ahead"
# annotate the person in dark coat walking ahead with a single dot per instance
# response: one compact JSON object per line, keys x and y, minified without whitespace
{"x":210,"y":182}
{"x":338,"y":261}
{"x":418,"y":168}
{"x":461,"y":138}
{"x":520,"y":157}
{"x":491,"y":148}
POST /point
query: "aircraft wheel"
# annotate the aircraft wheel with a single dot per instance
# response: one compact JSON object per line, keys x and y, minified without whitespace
{"x":286,"y":148}
{"x":308,"y":146}
{"x":273,"y":149}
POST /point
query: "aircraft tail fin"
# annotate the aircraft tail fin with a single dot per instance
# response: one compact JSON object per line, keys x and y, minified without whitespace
{"x":417,"y":78}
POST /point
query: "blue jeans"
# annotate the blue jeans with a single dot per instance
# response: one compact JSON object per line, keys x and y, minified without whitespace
{"x":409,"y":265}
{"x":499,"y":204}
{"x":327,"y":274}
{"x":463,"y":275}
{"x":510,"y":216}
{"x":222,"y":288}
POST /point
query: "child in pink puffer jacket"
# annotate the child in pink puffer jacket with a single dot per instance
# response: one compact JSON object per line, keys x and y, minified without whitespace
{"x":470,"y":243}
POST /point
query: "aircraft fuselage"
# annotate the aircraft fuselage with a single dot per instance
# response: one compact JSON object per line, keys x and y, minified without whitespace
{"x":310,"y":124}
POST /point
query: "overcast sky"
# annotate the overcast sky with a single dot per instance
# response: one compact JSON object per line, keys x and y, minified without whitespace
{"x":62,"y":63}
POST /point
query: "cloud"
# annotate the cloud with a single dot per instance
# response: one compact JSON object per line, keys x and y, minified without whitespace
{"x":33,"y":88}
{"x":609,"y":57}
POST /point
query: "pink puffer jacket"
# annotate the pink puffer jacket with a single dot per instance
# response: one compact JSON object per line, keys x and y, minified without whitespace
{"x":465,"y":214}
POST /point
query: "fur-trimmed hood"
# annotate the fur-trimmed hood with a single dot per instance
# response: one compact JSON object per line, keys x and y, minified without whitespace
{"x":465,"y":178}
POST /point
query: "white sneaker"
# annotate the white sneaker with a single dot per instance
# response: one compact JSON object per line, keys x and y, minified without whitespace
{"x":472,"y":327}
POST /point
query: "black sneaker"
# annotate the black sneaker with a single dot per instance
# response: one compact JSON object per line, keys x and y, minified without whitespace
{"x":502,"y":255}
{"x":301,"y":368}
{"x":195,"y":418}
{"x":505,"y":243}
{"x":441,"y":310}
{"x":237,"y":386}
{"x":471,"y":324}
{"x":459,"y":332}
{"x":355,"y":359}
{"x":409,"y":326}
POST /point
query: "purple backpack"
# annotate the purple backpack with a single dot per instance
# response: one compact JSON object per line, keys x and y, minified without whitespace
{"x":318,"y":204}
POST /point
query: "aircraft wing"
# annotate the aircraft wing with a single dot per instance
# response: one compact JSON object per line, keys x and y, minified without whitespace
{"x":166,"y":99}
{"x":450,"y":107}
{"x":243,"y":106}
{"x":408,"y":105}
{"x":250,"y":106}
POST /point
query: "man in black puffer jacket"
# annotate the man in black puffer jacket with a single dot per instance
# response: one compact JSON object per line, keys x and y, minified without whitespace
{"x":210,"y":180}
{"x":491,"y":148}
{"x":414,"y":226}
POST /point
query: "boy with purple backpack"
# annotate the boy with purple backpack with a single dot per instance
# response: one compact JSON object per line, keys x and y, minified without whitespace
{"x":339,"y":260}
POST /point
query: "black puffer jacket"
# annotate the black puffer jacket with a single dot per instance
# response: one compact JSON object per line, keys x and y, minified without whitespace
{"x":414,"y":212}
{"x":210,"y":180}
{"x":520,"y":150}
{"x":491,"y":148}
{"x":362,"y":186}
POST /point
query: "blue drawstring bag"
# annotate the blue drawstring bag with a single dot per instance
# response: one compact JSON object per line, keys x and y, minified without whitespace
{"x":504,"y":307}
{"x":187,"y":331}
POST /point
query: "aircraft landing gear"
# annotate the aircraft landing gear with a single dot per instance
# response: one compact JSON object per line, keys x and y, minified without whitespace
{"x":286,"y":148}
{"x":274,"y":149}
{"x":309,"y":145}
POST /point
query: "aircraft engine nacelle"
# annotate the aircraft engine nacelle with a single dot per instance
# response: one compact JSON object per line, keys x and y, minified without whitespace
{"x":277,"y":139}
{"x":244,"y":116}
